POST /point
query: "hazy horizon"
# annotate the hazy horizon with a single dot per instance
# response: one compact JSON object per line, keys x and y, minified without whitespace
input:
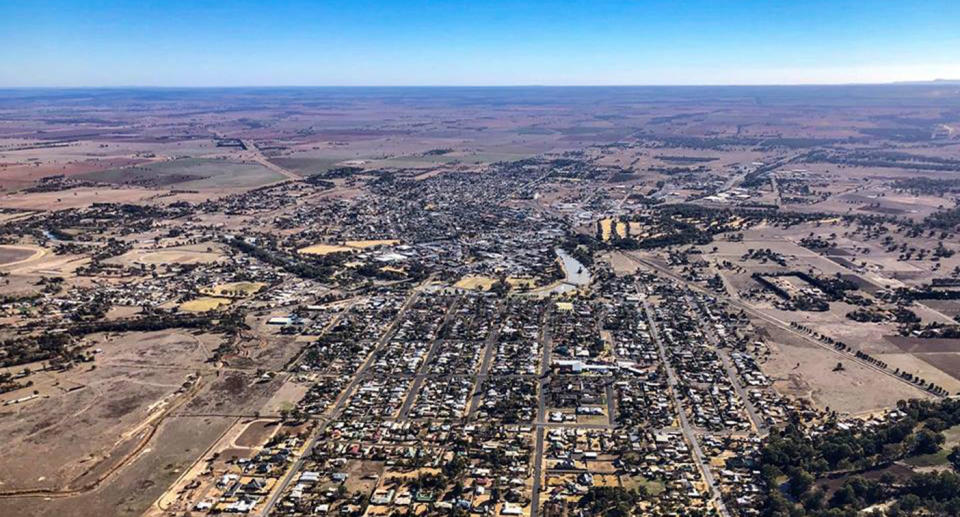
{"x":389,"y":43}
{"x":917,"y":82}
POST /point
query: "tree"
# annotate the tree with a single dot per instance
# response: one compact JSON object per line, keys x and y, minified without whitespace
{"x":610,"y":501}
{"x":954,"y":457}
{"x":800,"y":482}
{"x":926,"y":441}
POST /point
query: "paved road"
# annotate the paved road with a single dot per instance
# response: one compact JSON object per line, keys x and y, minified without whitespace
{"x":281,"y":487}
{"x":776,"y":188}
{"x":758,"y":423}
{"x":258,"y":157}
{"x":783,"y":325}
{"x":685,"y":426}
{"x":331,"y":324}
{"x":710,"y":332}
{"x":490,"y":348}
{"x":537,"y":470}
{"x":733,"y":181}
{"x":545,"y":344}
{"x":425,"y":367}
{"x":611,"y":404}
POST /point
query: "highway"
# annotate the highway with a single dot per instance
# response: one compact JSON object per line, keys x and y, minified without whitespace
{"x":258,"y":157}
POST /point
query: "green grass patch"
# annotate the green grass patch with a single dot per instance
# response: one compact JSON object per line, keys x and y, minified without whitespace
{"x":929,"y":460}
{"x":651,"y":487}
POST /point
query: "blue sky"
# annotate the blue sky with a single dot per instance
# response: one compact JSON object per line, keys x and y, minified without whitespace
{"x":486,"y":42}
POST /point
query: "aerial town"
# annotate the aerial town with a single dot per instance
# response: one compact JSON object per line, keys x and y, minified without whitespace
{"x":530,"y":302}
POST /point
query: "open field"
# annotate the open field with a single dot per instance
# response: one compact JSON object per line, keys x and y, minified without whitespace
{"x":804,"y":370}
{"x":203,"y":304}
{"x":120,"y":404}
{"x":475,"y":282}
{"x":324,"y":249}
{"x":234,"y":289}
{"x":43,"y":262}
{"x":197,"y":254}
{"x":74,"y":198}
{"x":13,"y":255}
{"x":142,"y":481}
{"x":371,"y":243}
{"x":189,"y":174}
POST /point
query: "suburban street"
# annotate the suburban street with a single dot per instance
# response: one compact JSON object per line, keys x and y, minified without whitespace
{"x":311,"y":441}
{"x":685,"y":427}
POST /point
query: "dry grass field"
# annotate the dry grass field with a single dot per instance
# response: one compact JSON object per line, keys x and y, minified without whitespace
{"x":204,"y":303}
{"x":75,"y":198}
{"x":120,"y":403}
{"x":806,"y":371}
{"x":13,"y":255}
{"x":371,"y":243}
{"x":324,"y":249}
{"x":234,"y":289}
{"x":189,"y":173}
{"x":197,"y":254}
{"x":475,"y":283}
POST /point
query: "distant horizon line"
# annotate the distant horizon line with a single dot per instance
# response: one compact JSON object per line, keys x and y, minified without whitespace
{"x":664,"y":85}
